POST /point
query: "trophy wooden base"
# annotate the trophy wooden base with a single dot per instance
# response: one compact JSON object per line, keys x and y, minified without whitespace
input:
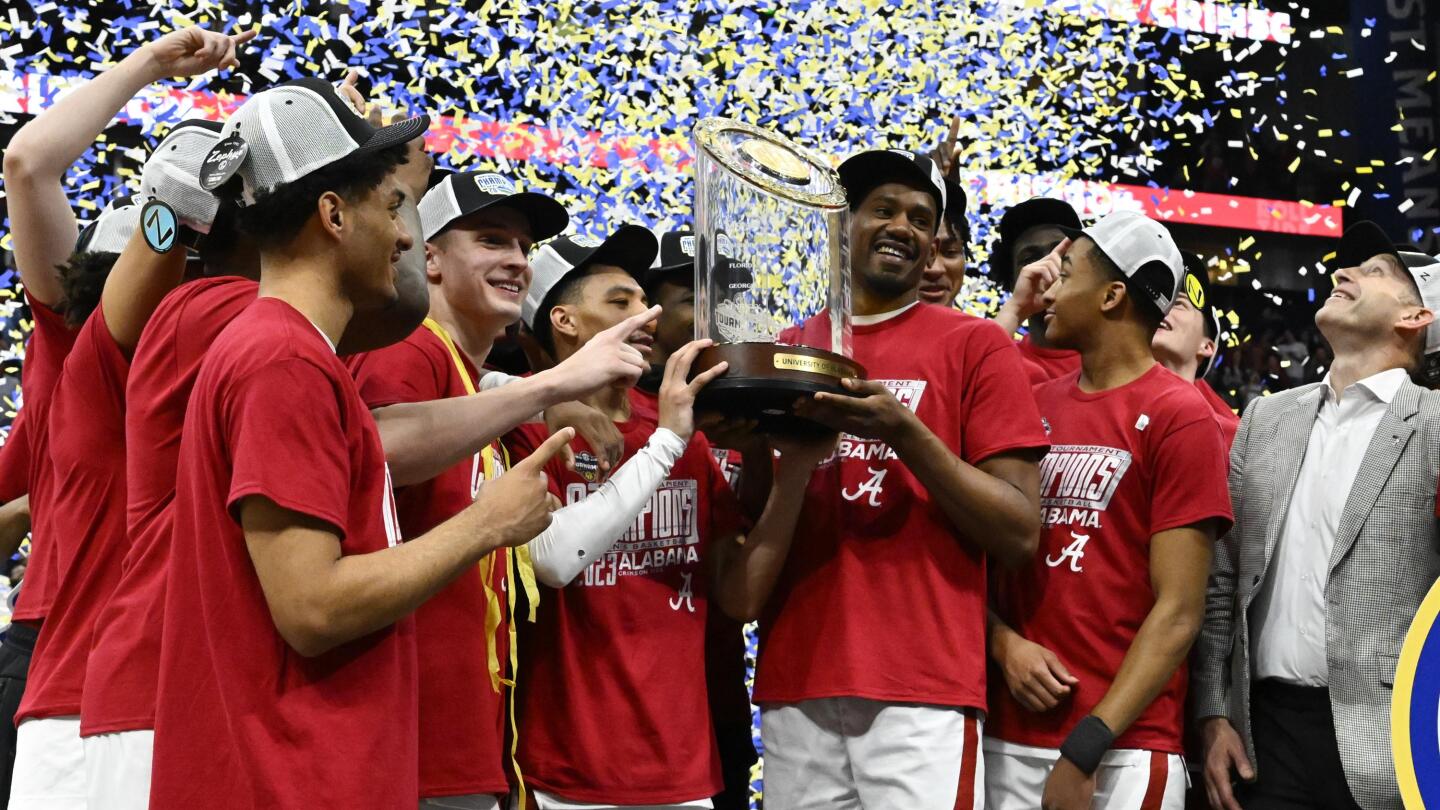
{"x":765,"y":379}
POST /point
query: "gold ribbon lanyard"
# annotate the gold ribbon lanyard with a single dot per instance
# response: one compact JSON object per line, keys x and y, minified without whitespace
{"x":517,"y":564}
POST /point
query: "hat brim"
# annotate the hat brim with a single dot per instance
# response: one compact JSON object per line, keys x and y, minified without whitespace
{"x":546,"y":217}
{"x":631,"y":248}
{"x":395,"y":134}
{"x":1037,"y":212}
{"x":1363,"y":240}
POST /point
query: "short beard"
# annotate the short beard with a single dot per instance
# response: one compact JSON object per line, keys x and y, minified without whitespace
{"x":892,"y":286}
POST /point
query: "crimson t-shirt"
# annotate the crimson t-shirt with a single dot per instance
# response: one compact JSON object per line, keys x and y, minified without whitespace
{"x":81,"y":512}
{"x":612,"y":696}
{"x":882,"y":597}
{"x":50,"y":343}
{"x":124,"y":666}
{"x":242,"y":720}
{"x":1043,"y":365}
{"x":1228,"y":419}
{"x":462,"y":719}
{"x":1124,"y":465}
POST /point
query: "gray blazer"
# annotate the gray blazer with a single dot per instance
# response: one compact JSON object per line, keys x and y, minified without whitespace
{"x":1386,"y":556}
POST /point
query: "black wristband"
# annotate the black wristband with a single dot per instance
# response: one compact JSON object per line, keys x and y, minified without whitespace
{"x":1087,"y":743}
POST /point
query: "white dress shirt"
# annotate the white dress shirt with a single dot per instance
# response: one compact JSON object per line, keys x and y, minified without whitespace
{"x":1289,"y":611}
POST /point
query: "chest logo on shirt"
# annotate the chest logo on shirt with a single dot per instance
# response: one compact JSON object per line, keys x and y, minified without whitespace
{"x":874,"y":487}
{"x":1075,"y":552}
{"x":685,"y":596}
{"x":1078,"y":481}
{"x":662,"y":536}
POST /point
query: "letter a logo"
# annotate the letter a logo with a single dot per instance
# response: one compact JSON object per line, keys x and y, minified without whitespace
{"x":1075,"y":552}
{"x":874,"y":487}
{"x":685,"y":595}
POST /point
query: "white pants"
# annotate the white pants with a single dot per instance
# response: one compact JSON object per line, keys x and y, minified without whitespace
{"x":549,"y":801}
{"x":49,"y":766}
{"x":852,"y":753}
{"x":474,"y":801}
{"x":118,"y":765}
{"x":1127,"y":779}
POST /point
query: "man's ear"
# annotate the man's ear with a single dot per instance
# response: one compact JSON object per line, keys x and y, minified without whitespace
{"x":1417,"y":320}
{"x":1207,"y":350}
{"x":1115,"y":294}
{"x":332,"y":211}
{"x":563,"y":321}
{"x":432,"y":263}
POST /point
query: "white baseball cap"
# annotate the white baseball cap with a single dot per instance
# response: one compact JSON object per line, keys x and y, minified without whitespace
{"x":111,"y":231}
{"x":282,"y":134}
{"x":1134,"y":241}
{"x":453,"y":195}
{"x":172,"y":173}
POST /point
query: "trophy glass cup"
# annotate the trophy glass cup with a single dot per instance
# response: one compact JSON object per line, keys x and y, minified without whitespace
{"x":772,"y":251}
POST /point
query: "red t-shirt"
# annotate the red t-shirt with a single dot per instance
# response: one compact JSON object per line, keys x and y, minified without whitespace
{"x":124,"y":666}
{"x":50,"y":343}
{"x":612,"y":702}
{"x":1228,"y":419}
{"x":81,"y":511}
{"x":1124,"y":464}
{"x":462,"y":719}
{"x":1043,"y":365}
{"x":242,"y":720}
{"x":881,"y":596}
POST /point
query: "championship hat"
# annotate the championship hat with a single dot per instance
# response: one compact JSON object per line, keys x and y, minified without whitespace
{"x":288,"y":131}
{"x":861,"y":173}
{"x":1134,"y":242}
{"x":172,"y":173}
{"x":1018,"y":219}
{"x":676,"y":258}
{"x":632,"y":248}
{"x":454,"y":195}
{"x":1196,"y":288}
{"x":111,"y":231}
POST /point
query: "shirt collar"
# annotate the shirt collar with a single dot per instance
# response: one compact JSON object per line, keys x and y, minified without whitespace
{"x":868,"y":320}
{"x":1382,"y":386}
{"x":328,"y":341}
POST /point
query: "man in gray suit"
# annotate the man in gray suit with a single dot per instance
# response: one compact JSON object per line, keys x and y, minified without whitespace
{"x":1334,"y":546}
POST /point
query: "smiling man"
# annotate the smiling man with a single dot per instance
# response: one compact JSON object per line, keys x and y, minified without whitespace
{"x":1091,"y":636}
{"x":1185,"y":343}
{"x":479,"y":231}
{"x":945,"y":274}
{"x":872,"y":666}
{"x":1307,"y":611}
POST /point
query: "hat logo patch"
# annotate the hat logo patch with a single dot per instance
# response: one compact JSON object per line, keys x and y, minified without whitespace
{"x":1194,"y":291}
{"x":223,"y":161}
{"x":687,"y":245}
{"x":585,"y":241}
{"x":494,"y":184}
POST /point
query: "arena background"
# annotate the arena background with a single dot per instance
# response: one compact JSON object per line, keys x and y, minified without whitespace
{"x":1256,"y":131}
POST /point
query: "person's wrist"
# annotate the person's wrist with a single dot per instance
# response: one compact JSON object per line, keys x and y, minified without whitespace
{"x":147,"y":65}
{"x":1087,"y":744}
{"x":907,"y":433}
